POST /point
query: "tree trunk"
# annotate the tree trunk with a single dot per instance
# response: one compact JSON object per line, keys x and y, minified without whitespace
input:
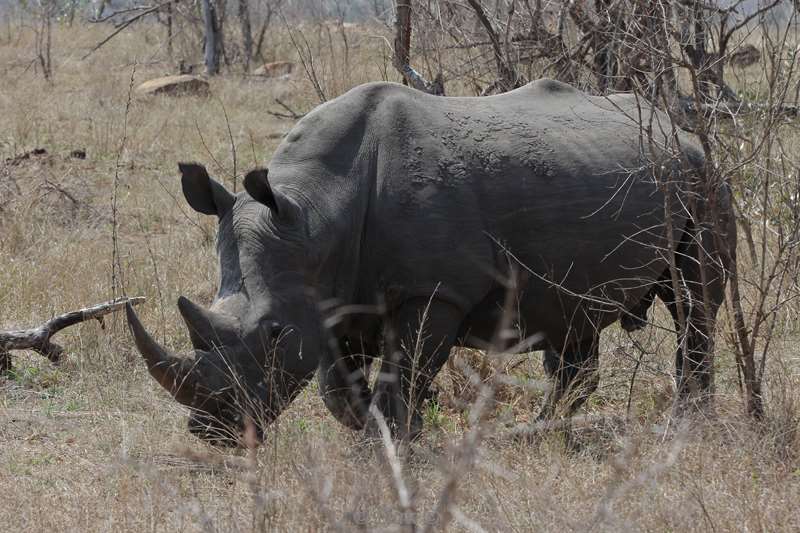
{"x":169,"y":30}
{"x":220,"y":11}
{"x":261,"y":33}
{"x":402,"y":36}
{"x":402,"y":53}
{"x":212,"y":38}
{"x":247,"y":34}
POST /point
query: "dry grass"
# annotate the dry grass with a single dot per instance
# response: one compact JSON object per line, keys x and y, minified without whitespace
{"x":95,"y":444}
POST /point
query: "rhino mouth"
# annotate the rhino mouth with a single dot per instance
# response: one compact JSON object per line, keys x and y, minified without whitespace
{"x":221,"y":391}
{"x":211,"y":429}
{"x":229,"y":430}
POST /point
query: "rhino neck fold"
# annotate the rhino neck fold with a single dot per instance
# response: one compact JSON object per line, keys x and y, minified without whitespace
{"x":335,"y":211}
{"x":327,"y":164}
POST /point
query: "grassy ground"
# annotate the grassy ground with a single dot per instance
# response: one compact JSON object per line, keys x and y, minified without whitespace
{"x":95,"y":444}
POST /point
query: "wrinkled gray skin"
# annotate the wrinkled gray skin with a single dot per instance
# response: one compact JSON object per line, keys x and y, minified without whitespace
{"x":424,"y":206}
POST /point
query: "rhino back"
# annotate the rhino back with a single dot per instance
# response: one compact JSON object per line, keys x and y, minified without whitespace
{"x":551,"y":175}
{"x":438,"y":190}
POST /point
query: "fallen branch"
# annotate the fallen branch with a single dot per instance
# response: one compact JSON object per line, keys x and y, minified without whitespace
{"x":38,"y":339}
{"x":16,"y":160}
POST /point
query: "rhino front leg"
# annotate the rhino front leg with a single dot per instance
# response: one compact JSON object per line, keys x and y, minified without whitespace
{"x":574,"y":375}
{"x":343,"y":382}
{"x":418,"y":340}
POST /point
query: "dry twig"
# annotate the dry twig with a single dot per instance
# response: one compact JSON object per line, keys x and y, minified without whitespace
{"x":292,"y":114}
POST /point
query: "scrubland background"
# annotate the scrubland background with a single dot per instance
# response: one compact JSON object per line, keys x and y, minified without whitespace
{"x":94,"y":444}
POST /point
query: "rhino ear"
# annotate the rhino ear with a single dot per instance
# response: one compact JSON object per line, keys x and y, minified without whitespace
{"x":203,"y":193}
{"x":257,"y":186}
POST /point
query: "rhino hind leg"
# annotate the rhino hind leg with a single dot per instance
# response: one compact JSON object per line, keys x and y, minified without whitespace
{"x":635,"y":318}
{"x":694,"y":355}
{"x":574,"y":375}
{"x":419,"y":336}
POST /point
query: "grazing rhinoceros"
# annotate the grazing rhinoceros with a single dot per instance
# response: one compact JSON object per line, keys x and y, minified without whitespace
{"x":424,"y":206}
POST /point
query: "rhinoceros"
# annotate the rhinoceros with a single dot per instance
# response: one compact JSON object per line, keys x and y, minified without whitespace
{"x":424,"y":207}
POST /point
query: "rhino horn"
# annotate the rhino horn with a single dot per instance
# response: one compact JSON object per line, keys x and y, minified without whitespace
{"x":204,"y":326}
{"x":173,"y":373}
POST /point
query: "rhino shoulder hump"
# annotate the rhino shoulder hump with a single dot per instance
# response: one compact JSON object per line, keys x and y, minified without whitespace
{"x":371,"y":94}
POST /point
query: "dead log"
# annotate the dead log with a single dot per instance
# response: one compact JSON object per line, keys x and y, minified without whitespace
{"x":16,"y":160}
{"x":38,"y":339}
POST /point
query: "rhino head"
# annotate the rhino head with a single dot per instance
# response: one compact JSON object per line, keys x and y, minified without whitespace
{"x":259,"y":342}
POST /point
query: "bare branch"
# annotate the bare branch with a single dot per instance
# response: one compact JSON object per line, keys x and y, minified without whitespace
{"x":508,"y":76}
{"x":292,"y":114}
{"x":38,"y":339}
{"x":125,"y":25}
{"x":117,"y":13}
